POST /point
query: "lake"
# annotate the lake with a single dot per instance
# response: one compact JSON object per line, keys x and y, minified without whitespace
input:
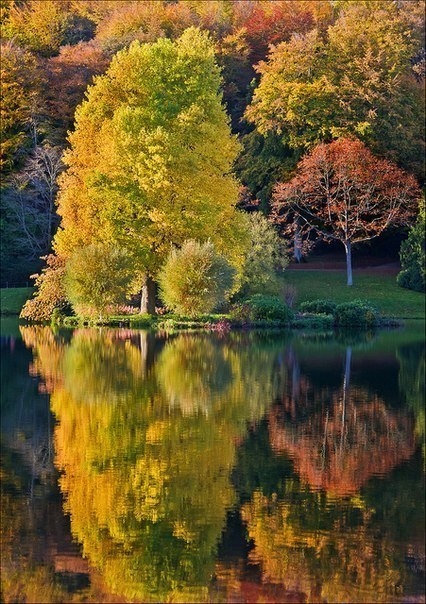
{"x":205,"y":467}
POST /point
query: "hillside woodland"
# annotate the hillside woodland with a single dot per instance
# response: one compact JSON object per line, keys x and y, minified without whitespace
{"x":140,"y":125}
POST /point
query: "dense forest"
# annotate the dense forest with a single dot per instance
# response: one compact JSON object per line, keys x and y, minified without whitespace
{"x":158,"y":121}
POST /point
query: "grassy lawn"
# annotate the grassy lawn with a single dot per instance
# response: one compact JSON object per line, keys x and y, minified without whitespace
{"x":379,"y":289}
{"x":12,"y":299}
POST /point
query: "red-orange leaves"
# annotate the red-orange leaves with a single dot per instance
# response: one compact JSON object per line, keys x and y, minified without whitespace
{"x":343,"y":192}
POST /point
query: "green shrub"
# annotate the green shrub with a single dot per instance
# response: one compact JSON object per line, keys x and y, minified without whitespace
{"x":264,"y":260}
{"x":313,"y":321}
{"x":318,"y":307}
{"x":411,"y":279}
{"x":357,"y":313}
{"x":262,"y":308}
{"x":97,"y":277}
{"x":195,"y":279}
{"x":412,"y":256}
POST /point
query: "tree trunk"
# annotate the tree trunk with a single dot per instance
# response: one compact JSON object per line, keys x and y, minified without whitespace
{"x":148,"y":296}
{"x":297,"y":242}
{"x":348,"y":251}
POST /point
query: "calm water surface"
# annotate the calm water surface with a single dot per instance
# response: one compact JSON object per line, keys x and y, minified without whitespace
{"x":249,"y":467}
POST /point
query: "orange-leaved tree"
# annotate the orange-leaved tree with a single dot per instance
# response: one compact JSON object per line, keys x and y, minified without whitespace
{"x":342,"y":192}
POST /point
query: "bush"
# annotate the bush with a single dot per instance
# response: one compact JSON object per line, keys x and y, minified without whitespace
{"x":262,"y":308}
{"x":49,"y":294}
{"x":195,"y":279}
{"x":313,"y":321}
{"x":264,"y":259}
{"x":97,"y":277}
{"x":357,"y":313}
{"x":319,"y":307}
{"x":412,"y":256}
{"x":411,"y":278}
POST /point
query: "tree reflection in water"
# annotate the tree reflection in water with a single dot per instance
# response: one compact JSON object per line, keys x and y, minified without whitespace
{"x":318,"y":533}
{"x":158,"y":439}
{"x":146,"y":453}
{"x":350,"y":436}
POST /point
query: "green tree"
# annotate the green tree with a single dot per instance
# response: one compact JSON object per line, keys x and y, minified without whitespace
{"x":97,"y":277}
{"x":264,"y":259}
{"x":356,"y":80}
{"x":412,"y":256}
{"x":263,"y":161}
{"x":195,"y":279}
{"x":21,"y":100}
{"x":150,"y":158}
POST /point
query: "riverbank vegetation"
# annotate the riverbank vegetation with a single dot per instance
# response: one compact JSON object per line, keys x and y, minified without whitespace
{"x":298,"y":287}
{"x":134,"y":129}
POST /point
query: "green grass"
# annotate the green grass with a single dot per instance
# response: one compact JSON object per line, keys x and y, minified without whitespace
{"x":380,"y":290}
{"x":12,"y":299}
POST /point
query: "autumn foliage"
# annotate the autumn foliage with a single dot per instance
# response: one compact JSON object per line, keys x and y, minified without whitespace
{"x":50,"y":293}
{"x":342,"y":192}
{"x":293,"y":74}
{"x":341,"y":451}
{"x":272,"y":22}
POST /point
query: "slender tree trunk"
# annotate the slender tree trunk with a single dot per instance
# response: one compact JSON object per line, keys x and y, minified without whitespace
{"x":148,"y":296}
{"x":297,"y":242}
{"x":348,"y":251}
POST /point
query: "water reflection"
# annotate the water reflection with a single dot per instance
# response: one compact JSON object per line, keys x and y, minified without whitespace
{"x":245,"y":468}
{"x":341,"y":436}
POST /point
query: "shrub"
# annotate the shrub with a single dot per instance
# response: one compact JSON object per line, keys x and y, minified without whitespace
{"x":313,"y":321}
{"x":263,"y":260}
{"x":318,"y":307}
{"x":262,"y":308}
{"x":49,"y":294}
{"x":97,"y":277}
{"x":412,"y":256}
{"x":195,"y":279}
{"x":357,"y":313}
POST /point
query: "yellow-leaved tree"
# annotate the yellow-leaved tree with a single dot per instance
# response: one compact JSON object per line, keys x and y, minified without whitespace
{"x":150,"y":160}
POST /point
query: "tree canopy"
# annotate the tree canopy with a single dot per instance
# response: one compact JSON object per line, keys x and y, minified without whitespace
{"x":293,"y":73}
{"x":151,"y":156}
{"x":343,"y":192}
{"x":356,"y":80}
